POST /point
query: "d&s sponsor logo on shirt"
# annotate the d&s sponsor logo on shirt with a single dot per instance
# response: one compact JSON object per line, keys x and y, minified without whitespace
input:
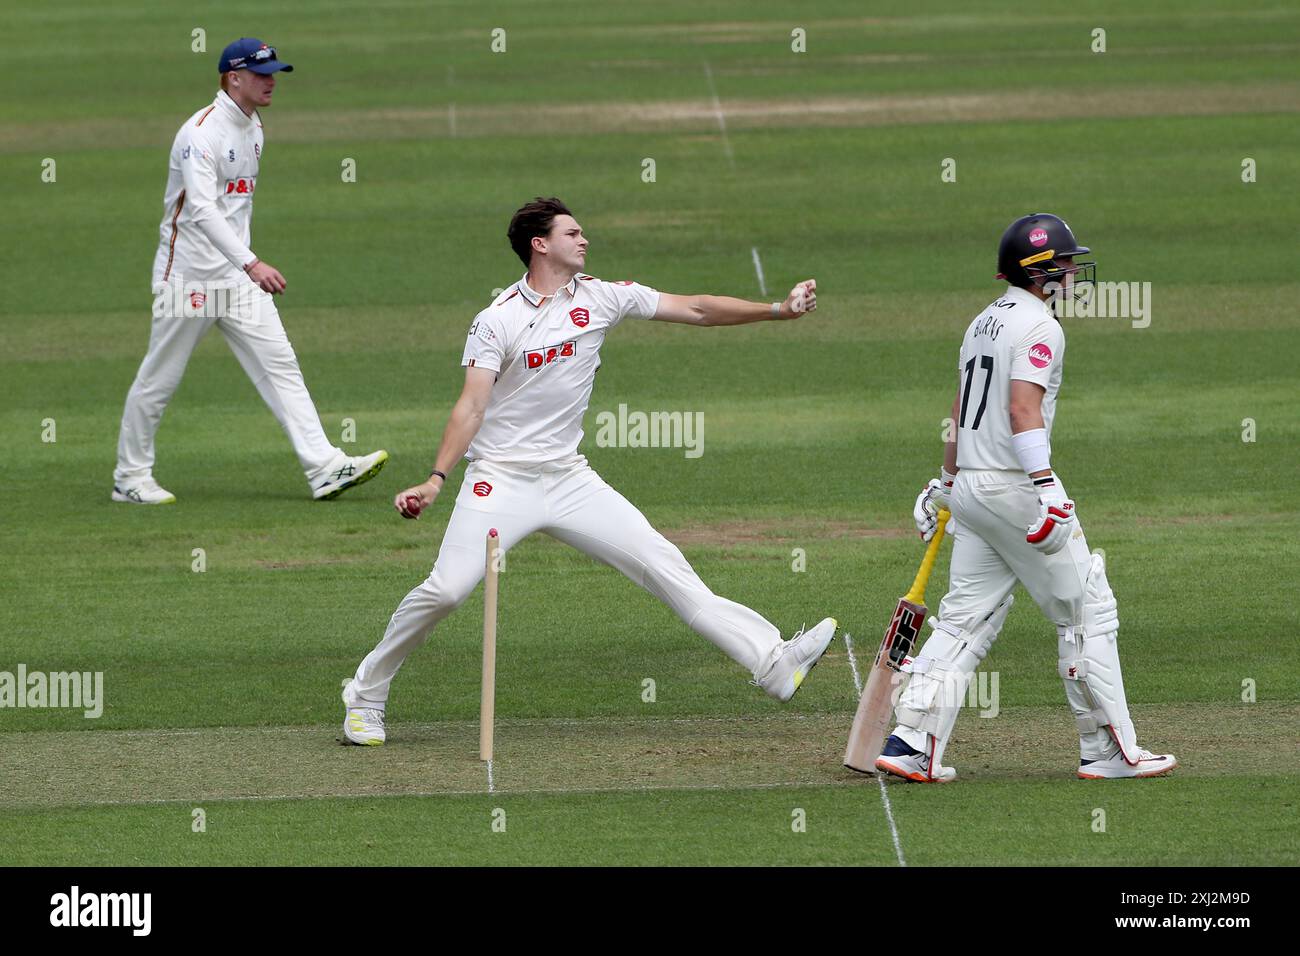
{"x":536,"y":358}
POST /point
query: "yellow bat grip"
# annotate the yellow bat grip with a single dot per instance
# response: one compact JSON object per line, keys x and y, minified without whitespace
{"x":917,"y":594}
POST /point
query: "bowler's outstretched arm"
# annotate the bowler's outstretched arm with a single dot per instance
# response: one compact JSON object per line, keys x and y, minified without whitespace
{"x":724,"y":310}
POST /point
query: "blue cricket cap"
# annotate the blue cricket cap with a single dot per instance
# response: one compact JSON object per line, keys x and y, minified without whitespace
{"x":249,"y":54}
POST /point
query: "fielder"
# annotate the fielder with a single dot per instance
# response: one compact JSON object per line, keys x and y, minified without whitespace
{"x":1016,"y":524}
{"x":530,"y":362}
{"x":204,"y":273}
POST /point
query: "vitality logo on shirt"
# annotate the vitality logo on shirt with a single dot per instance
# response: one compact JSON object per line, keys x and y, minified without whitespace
{"x":536,"y":358}
{"x":1040,"y":356}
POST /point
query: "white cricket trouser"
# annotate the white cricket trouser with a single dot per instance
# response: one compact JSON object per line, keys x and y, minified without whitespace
{"x":573,"y":504}
{"x":990,"y":554}
{"x":248,"y":319}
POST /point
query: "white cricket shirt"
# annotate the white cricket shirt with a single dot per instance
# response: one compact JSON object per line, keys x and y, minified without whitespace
{"x":1016,"y":337}
{"x":208,"y":202}
{"x":545,"y":351}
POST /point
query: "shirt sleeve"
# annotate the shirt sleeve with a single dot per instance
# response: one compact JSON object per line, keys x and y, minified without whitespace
{"x":1039,"y":351}
{"x":485,"y":345}
{"x":199,"y":168}
{"x":630,"y":300}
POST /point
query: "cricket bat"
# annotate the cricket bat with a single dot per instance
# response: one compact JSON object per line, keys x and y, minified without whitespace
{"x":876,"y":706}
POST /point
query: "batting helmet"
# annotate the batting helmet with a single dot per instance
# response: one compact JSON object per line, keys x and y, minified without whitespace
{"x":1031,"y":246}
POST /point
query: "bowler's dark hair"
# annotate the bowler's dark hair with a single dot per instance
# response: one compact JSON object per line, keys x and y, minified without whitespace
{"x":533,"y":219}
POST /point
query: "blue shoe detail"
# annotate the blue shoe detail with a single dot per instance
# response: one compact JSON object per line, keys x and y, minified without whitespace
{"x":897,"y":747}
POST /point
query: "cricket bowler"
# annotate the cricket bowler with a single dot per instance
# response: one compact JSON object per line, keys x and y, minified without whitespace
{"x":530,"y":361}
{"x":204,"y":273}
{"x":1016,"y":524}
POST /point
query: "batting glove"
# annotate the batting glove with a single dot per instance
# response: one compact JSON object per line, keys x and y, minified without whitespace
{"x":1056,"y":519}
{"x":932,"y":499}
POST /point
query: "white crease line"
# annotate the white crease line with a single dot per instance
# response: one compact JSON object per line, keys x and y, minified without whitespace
{"x":717,"y":111}
{"x":758,"y":267}
{"x":853,"y":663}
{"x":491,"y":788}
{"x":889,"y":815}
{"x":880,"y":777}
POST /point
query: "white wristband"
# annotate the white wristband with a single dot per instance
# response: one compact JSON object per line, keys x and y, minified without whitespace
{"x":776,"y":309}
{"x":1033,"y":450}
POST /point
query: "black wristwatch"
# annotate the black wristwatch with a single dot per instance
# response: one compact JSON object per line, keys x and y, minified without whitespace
{"x":438,"y":473}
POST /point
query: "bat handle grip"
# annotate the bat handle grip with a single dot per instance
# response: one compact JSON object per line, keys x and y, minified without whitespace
{"x":917,"y":594}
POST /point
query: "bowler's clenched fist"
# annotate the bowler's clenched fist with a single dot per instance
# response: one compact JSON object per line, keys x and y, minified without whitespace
{"x":802,"y":298}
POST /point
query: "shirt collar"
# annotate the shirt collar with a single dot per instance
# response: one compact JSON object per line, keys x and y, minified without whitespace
{"x":1026,"y":296}
{"x":534,"y":297}
{"x":231,"y":107}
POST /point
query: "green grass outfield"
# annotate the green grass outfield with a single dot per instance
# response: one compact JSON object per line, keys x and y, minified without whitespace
{"x":222,"y":687}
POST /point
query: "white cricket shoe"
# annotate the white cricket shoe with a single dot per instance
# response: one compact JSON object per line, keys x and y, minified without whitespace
{"x":793,"y":659}
{"x":143,"y":491}
{"x":903,"y":760}
{"x":347,"y":473}
{"x":1115,"y":768}
{"x":362,"y":725}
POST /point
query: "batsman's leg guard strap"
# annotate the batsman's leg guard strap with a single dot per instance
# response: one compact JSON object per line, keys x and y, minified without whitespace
{"x":927,"y":721}
{"x":922,"y":665}
{"x":1072,"y":668}
{"x":1091,"y":722}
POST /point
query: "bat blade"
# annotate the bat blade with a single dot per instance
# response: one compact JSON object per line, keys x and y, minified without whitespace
{"x":876,"y":706}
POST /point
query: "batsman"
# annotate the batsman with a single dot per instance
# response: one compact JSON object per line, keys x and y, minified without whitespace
{"x":1016,"y":523}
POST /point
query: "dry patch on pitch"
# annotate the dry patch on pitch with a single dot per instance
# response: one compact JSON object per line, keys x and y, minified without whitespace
{"x":725,"y":534}
{"x":689,"y":115}
{"x":75,"y":768}
{"x":558,"y":756}
{"x":699,"y":115}
{"x":1208,"y":740}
